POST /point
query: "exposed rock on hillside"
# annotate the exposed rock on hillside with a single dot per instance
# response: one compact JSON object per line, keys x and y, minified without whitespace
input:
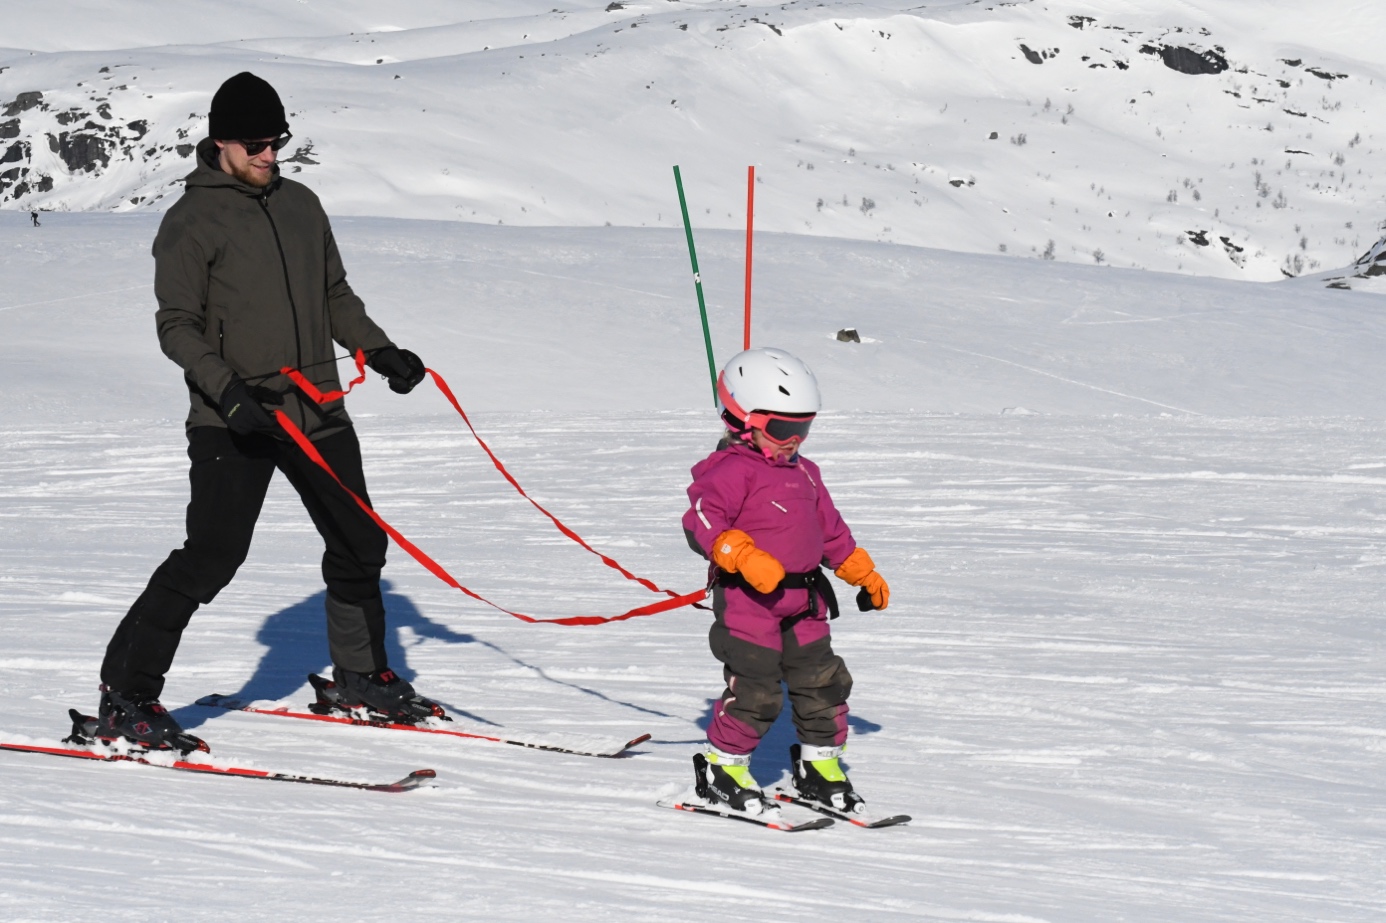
{"x":1187,"y":60}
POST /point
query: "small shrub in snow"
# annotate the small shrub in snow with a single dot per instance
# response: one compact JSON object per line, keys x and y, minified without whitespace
{"x":1019,"y":140}
{"x":1048,"y":253}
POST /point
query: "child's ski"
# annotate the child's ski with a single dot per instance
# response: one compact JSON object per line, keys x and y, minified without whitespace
{"x":578,"y":745}
{"x":860,"y":820}
{"x":94,"y":751}
{"x":775,"y":822}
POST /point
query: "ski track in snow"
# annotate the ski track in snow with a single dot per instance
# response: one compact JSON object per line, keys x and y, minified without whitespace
{"x":1109,"y":686}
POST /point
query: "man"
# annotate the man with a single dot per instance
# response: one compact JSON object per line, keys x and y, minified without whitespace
{"x":249,"y":280}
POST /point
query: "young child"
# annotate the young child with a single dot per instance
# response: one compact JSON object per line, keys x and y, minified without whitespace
{"x":761,"y":514}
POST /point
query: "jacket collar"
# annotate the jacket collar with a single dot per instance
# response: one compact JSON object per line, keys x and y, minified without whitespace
{"x":209,"y":174}
{"x":750,"y":451}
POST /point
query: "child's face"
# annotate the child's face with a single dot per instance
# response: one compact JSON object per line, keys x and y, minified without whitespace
{"x":773,"y":451}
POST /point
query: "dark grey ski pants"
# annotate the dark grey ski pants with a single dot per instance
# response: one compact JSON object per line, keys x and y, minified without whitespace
{"x":817,"y":680}
{"x":230,"y":475}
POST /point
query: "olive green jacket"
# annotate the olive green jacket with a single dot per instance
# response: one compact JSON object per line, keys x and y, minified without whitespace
{"x":249,"y":281}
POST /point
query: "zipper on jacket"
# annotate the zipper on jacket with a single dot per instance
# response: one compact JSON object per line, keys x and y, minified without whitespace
{"x":221,"y":339}
{"x":263,"y":199}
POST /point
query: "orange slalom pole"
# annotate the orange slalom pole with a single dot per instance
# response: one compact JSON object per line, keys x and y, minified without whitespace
{"x":750,"y":222}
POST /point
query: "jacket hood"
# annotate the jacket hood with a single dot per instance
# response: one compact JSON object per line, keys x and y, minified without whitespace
{"x":750,"y":451}
{"x":208,"y":174}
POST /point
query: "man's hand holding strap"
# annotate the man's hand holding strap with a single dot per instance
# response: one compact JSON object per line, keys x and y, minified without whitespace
{"x":241,"y":408}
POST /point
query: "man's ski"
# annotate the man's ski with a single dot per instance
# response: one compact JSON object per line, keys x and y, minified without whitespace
{"x":106,"y":755}
{"x":860,"y":820}
{"x":578,"y":745}
{"x":777,"y":822}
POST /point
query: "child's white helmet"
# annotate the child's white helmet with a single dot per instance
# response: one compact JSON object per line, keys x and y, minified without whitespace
{"x":765,"y":381}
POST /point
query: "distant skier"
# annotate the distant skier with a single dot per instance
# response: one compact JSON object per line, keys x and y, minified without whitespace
{"x":762,"y":514}
{"x":248,"y":280}
{"x":33,"y":216}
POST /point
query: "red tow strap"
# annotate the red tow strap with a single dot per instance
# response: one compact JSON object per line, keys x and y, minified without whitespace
{"x":675,"y":601}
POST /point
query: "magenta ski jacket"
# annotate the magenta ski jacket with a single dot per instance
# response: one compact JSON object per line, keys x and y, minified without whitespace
{"x":787,"y":510}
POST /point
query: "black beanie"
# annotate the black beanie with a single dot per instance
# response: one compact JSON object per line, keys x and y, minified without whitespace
{"x":246,"y":108}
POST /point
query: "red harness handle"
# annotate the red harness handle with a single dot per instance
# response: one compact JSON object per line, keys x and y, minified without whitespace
{"x":310,"y":389}
{"x":675,"y":601}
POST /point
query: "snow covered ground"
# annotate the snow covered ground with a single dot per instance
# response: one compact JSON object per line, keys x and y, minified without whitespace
{"x":1134,"y":664}
{"x":1132,"y":670}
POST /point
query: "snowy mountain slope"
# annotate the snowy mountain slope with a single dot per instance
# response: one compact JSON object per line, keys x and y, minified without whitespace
{"x":869,"y":121}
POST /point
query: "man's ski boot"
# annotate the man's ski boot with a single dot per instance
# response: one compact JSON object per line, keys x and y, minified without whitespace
{"x":139,"y":720}
{"x":722,"y":778}
{"x":818,"y":777}
{"x":382,"y":695}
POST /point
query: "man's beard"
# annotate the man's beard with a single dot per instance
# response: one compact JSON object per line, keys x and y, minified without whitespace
{"x":252,"y":177}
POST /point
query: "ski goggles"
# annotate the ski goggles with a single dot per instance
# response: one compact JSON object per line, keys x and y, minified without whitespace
{"x":255,"y":147}
{"x":779,"y":428}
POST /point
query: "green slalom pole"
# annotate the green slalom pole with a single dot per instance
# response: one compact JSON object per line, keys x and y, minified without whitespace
{"x":697,"y":284}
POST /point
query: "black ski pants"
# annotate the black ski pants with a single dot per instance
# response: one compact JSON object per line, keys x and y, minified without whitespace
{"x":230,"y":475}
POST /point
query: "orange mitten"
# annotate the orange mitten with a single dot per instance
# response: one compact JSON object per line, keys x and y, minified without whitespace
{"x":860,"y":570}
{"x":736,"y":553}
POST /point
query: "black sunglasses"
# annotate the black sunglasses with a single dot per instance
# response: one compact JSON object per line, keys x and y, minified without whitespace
{"x":255,"y":147}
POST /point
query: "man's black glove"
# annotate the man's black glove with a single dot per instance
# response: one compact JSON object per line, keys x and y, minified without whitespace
{"x":400,"y":367}
{"x":240,"y":408}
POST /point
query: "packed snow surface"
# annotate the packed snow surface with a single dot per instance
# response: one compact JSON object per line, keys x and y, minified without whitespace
{"x":1132,"y":668}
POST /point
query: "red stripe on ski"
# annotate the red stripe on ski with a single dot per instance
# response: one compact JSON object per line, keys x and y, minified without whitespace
{"x":785,"y":826}
{"x":221,"y":701}
{"x":409,"y":782}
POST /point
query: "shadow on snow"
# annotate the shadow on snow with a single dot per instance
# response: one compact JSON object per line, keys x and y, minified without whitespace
{"x":295,"y":641}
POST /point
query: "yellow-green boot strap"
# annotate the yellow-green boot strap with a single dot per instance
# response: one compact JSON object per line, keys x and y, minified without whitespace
{"x":829,"y":770}
{"x":741,"y":775}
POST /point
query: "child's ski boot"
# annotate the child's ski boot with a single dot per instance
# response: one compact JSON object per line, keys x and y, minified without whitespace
{"x":818,"y":777}
{"x":723,"y":778}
